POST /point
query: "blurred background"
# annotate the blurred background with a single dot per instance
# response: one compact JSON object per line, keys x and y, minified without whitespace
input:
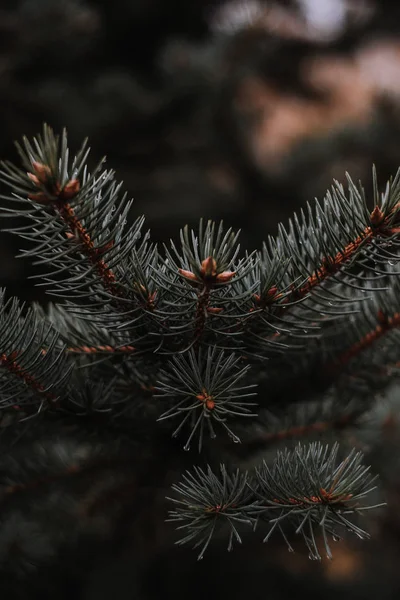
{"x":241,"y":110}
{"x":233,"y":110}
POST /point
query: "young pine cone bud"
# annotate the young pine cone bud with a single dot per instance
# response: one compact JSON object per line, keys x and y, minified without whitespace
{"x":377,"y":216}
{"x":40,"y":198}
{"x":208,"y":268}
{"x":71,"y":189}
{"x":42,"y":173}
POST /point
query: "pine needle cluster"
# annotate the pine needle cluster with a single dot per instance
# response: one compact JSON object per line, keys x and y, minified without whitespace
{"x":149,"y":350}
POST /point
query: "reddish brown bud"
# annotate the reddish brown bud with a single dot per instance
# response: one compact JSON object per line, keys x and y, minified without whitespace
{"x":208,"y":267}
{"x":393,"y":230}
{"x":152,"y":298}
{"x":33,"y":178}
{"x":272,"y":291}
{"x":203,"y":395}
{"x":225,"y":276}
{"x":377,"y":216}
{"x":206,"y":399}
{"x":210,"y":404}
{"x":40,"y":198}
{"x":214,"y":309}
{"x":43,"y":172}
{"x":188,"y":274}
{"x":71,"y":189}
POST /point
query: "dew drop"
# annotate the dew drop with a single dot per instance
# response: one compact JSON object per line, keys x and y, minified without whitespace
{"x":186,"y":447}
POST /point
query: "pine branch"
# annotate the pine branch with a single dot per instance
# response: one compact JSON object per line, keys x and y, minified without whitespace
{"x":206,"y":499}
{"x":302,"y":421}
{"x":80,"y":239}
{"x":306,"y":486}
{"x":185,"y":334}
{"x":34,"y":370}
{"x":205,"y":391}
{"x":324,"y":492}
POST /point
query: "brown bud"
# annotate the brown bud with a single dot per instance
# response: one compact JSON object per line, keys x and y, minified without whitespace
{"x":208,"y":267}
{"x":188,"y":274}
{"x":40,"y":198}
{"x":34,"y":179}
{"x":206,"y":399}
{"x":377,"y":216}
{"x":152,"y":298}
{"x":272,"y":291}
{"x":210,"y":404}
{"x":71,"y":189}
{"x":43,"y":172}
{"x":214,"y":310}
{"x":225,"y":276}
{"x":393,"y":230}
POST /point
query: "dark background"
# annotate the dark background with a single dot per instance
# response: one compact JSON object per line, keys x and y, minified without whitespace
{"x":235,"y":110}
{"x":239,"y":111}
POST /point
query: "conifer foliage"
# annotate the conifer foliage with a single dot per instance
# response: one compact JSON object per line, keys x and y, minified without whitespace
{"x":203,"y":342}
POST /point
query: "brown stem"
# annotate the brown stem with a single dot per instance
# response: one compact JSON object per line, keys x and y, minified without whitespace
{"x":201,"y":312}
{"x":302,"y":430}
{"x":94,"y":254}
{"x":101,"y":350}
{"x":331,"y":265}
{"x":385,"y":324}
{"x":10,"y":363}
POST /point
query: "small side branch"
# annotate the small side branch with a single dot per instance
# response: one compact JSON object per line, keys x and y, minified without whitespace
{"x":10,"y":363}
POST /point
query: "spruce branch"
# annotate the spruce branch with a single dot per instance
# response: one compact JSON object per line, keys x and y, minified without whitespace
{"x":207,"y":500}
{"x":185,"y":333}
{"x":75,"y":331}
{"x":78,"y":219}
{"x":378,"y":318}
{"x":201,"y":303}
{"x":333,"y":256}
{"x":307,"y":486}
{"x":34,"y":370}
{"x":206,"y":389}
{"x":303,"y":420}
{"x":309,"y":489}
